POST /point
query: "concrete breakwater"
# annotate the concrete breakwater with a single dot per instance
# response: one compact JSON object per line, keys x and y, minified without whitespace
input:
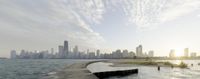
{"x":106,"y":74}
{"x":104,"y":70}
{"x":91,"y":70}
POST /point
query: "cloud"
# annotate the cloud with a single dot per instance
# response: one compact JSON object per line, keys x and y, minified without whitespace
{"x":73,"y":19}
{"x":150,"y":13}
{"x":51,"y":20}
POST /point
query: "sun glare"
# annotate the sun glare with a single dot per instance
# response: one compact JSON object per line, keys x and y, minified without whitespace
{"x":179,"y":52}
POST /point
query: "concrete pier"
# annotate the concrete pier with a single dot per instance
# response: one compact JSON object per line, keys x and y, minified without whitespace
{"x":104,"y":70}
{"x":106,"y":74}
{"x":91,"y":70}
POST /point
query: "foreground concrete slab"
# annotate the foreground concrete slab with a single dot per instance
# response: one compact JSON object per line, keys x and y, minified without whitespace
{"x":104,"y":70}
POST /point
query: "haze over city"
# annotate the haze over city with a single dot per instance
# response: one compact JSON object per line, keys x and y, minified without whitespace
{"x":159,"y":25}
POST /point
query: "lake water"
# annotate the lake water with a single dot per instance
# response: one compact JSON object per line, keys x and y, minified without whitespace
{"x":36,"y":69}
{"x":31,"y":69}
{"x":150,"y":72}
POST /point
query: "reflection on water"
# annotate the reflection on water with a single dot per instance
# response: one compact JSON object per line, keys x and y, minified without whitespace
{"x":150,"y":72}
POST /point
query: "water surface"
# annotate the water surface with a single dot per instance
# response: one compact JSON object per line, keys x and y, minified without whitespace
{"x":32,"y":68}
{"x":151,"y":72}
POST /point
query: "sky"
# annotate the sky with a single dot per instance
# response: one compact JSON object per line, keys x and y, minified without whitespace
{"x":159,"y":25}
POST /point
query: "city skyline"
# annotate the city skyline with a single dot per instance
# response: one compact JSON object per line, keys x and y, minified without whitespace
{"x":159,"y":25}
{"x":138,"y":50}
{"x":64,"y":52}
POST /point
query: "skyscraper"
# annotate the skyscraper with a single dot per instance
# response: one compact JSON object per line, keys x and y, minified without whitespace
{"x":75,"y":49}
{"x":151,"y":53}
{"x":172,"y":53}
{"x":98,"y":53}
{"x":193,"y":54}
{"x":125,"y":53}
{"x":118,"y":53}
{"x":22,"y":54}
{"x":76,"y":52}
{"x":186,"y":52}
{"x":52,"y":50}
{"x":66,"y":49}
{"x":139,"y":51}
{"x":13,"y":54}
{"x":60,"y":51}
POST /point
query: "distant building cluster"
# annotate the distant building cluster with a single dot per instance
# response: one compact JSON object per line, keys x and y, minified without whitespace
{"x":140,"y":53}
{"x":186,"y":53}
{"x":64,"y":53}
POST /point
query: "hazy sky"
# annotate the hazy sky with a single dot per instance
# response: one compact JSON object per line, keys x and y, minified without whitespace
{"x":158,"y":25}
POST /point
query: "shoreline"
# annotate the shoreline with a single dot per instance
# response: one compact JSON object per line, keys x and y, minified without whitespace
{"x":143,"y":62}
{"x":74,"y":71}
{"x":80,"y":71}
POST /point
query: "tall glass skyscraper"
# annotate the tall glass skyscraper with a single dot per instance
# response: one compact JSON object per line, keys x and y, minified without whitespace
{"x":66,"y":49}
